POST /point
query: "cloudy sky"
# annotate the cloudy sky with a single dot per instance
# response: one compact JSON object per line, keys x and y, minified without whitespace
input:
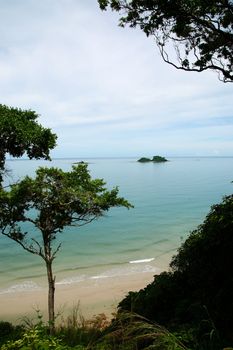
{"x":105,"y":90}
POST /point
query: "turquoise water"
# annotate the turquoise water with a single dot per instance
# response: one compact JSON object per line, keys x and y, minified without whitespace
{"x":170,"y":200}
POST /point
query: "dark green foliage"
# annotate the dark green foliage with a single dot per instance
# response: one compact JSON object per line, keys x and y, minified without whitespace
{"x":155,"y":159}
{"x":21,"y":134}
{"x":9,"y":332}
{"x":144,"y":160}
{"x":159,"y":159}
{"x":201,"y":31}
{"x":195,"y":297}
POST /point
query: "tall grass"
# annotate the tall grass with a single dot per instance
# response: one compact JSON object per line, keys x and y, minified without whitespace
{"x":76,"y":329}
{"x":127,"y":331}
{"x":130,"y":331}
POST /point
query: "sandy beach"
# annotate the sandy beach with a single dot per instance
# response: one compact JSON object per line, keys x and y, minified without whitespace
{"x":94,"y":296}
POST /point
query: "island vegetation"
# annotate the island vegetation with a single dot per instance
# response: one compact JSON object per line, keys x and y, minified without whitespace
{"x":155,"y":159}
{"x":80,"y":162}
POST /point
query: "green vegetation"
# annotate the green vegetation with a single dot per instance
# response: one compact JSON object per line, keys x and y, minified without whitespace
{"x":51,"y":201}
{"x":126,"y":332}
{"x":155,"y":159}
{"x":144,"y":160}
{"x":199,"y":31}
{"x":158,"y":159}
{"x":194,"y":299}
{"x":9,"y":332}
{"x":21,"y":134}
{"x":129,"y":331}
{"x":35,"y":339}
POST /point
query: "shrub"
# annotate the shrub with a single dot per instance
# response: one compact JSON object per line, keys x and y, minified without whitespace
{"x":197,"y":293}
{"x":10,"y":332}
{"x":35,"y":339}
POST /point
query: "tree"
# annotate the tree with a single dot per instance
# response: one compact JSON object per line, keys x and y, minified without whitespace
{"x":50,"y":202}
{"x":20,"y":133}
{"x":200,"y":31}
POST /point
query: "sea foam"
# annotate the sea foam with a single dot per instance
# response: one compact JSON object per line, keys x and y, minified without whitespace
{"x":141,"y":261}
{"x":27,"y":286}
{"x":72,"y":280}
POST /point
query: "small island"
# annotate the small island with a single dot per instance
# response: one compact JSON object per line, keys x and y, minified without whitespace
{"x":80,"y":162}
{"x":155,"y":159}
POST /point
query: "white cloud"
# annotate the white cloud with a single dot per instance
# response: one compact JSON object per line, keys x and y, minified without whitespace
{"x":93,"y":81}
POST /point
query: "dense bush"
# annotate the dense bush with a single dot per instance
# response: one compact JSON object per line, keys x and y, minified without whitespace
{"x":10,"y":332}
{"x":196,"y":297}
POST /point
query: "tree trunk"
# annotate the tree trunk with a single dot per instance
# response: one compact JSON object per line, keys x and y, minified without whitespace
{"x":51,"y":292}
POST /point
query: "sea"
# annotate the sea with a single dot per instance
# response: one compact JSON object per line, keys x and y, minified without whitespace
{"x":170,"y":200}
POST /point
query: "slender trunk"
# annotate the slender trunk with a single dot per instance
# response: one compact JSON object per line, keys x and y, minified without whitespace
{"x":2,"y":166}
{"x":51,"y":292}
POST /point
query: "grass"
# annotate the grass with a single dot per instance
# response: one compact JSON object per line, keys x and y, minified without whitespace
{"x":127,"y":331}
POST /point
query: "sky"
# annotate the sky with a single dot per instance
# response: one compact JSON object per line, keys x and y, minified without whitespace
{"x":104,"y":90}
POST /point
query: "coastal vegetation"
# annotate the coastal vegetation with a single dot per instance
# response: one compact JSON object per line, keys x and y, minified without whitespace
{"x":194,"y":298}
{"x":155,"y":159}
{"x":127,"y":331}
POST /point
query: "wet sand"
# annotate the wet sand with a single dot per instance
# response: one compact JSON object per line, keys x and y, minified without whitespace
{"x":94,"y":296}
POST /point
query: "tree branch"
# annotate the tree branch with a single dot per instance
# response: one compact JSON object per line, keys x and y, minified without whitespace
{"x":25,"y":245}
{"x":55,"y":252}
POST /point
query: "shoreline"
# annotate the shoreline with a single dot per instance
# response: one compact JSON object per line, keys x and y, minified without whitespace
{"x":93,"y":297}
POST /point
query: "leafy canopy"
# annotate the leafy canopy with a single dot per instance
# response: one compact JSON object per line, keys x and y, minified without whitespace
{"x":20,"y":133}
{"x":198,"y":32}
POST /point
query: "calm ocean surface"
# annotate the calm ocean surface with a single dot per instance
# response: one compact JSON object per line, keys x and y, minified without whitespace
{"x":170,"y":200}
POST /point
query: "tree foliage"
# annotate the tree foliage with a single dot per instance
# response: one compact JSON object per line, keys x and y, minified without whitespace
{"x":196,"y":295}
{"x":21,"y":134}
{"x":200,"y":32}
{"x":51,"y":201}
{"x":155,"y":159}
